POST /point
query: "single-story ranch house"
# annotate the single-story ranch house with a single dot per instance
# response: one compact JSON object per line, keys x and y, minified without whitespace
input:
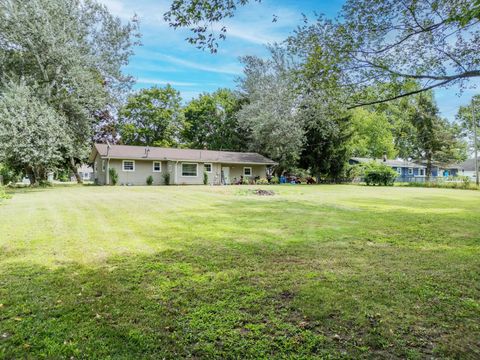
{"x":134,"y":164}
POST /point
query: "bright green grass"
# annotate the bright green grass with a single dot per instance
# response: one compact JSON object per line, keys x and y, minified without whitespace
{"x":214,"y":272}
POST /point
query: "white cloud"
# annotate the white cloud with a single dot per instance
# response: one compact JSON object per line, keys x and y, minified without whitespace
{"x":231,"y":69}
{"x":164,"y":82}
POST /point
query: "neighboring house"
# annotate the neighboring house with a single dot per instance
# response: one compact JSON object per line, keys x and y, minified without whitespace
{"x":405,"y":169}
{"x":134,"y":164}
{"x":467,"y":168}
{"x":409,"y":171}
{"x":86,"y":172}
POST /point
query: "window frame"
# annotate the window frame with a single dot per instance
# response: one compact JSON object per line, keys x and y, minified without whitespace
{"x":251,"y":171}
{"x":410,"y":171}
{"x":196,"y":170}
{"x":153,"y":166}
{"x":123,"y":165}
{"x":103,"y":165}
{"x":211,"y":168}
{"x":399,"y":171}
{"x":421,"y":172}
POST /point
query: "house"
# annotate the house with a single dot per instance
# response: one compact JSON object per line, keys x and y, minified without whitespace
{"x":467,"y":168}
{"x":85,"y":172}
{"x":134,"y":164}
{"x":409,"y":171}
{"x":404,"y":168}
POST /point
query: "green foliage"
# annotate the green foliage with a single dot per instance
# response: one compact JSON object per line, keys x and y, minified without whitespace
{"x":375,"y":173}
{"x":113,"y":176}
{"x":9,"y":175}
{"x":3,"y":193}
{"x":245,"y":180}
{"x":205,"y":178}
{"x":32,"y":135}
{"x":211,"y":122}
{"x":63,"y":175}
{"x":274,"y":180}
{"x":69,"y":54}
{"x":152,"y":117}
{"x":150,"y":180}
{"x":262,"y":181}
{"x":371,"y":134}
{"x":462,"y":183}
{"x":166,"y":178}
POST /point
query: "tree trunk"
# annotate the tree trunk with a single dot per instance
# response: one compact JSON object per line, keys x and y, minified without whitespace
{"x":74,"y":169}
{"x":30,"y":172}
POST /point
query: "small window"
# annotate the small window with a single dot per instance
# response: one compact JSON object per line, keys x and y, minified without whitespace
{"x":128,"y":165}
{"x":399,"y":171}
{"x":207,"y":167}
{"x":103,"y":165}
{"x":410,"y":171}
{"x":157,"y":166}
{"x":247,"y":171}
{"x":421,"y":172}
{"x":189,"y":170}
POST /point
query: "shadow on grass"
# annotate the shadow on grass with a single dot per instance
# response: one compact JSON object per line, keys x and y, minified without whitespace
{"x":209,"y":303}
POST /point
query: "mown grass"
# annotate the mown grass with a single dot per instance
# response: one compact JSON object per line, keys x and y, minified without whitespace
{"x":216,"y":272}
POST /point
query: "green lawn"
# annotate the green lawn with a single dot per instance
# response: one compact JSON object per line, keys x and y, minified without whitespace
{"x":216,"y":272}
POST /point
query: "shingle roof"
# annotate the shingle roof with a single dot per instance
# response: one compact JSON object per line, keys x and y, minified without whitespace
{"x":389,"y":162}
{"x":157,"y":153}
{"x":469,"y":164}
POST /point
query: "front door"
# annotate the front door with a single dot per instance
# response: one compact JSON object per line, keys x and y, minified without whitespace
{"x":226,"y":175}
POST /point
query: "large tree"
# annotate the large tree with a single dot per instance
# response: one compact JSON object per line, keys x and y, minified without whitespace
{"x":152,"y":117}
{"x":31,"y":133}
{"x":437,"y":141}
{"x":71,"y":52}
{"x":465,"y":118}
{"x":211,"y":122}
{"x":271,"y":114}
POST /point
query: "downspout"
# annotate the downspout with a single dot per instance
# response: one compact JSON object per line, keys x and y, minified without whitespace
{"x":108,"y":172}
{"x":176,"y":171}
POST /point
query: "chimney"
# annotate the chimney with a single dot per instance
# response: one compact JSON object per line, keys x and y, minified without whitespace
{"x":384,"y":157}
{"x":147,"y":150}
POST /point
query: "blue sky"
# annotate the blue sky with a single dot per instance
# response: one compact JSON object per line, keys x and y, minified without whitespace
{"x":166,"y":57}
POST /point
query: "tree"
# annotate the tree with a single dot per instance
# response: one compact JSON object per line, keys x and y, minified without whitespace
{"x":71,"y":52}
{"x":271,"y":114}
{"x":211,"y":122}
{"x":372,"y":134}
{"x":465,"y":117}
{"x":152,"y":117}
{"x":392,"y":42}
{"x":31,"y":133}
{"x":437,"y":141}
{"x":198,"y":17}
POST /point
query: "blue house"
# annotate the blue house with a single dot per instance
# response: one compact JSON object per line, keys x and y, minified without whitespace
{"x":409,"y":171}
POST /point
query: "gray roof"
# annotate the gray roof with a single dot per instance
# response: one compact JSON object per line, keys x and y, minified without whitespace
{"x":469,"y":164}
{"x":173,"y":154}
{"x":389,"y":162}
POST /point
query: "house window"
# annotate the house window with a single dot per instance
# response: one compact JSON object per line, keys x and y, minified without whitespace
{"x":189,"y":170}
{"x":410,"y":171}
{"x":421,"y":172}
{"x":157,"y":166}
{"x":128,"y":165}
{"x":207,"y":167}
{"x":399,"y":171}
{"x":103,"y":165}
{"x":247,"y":171}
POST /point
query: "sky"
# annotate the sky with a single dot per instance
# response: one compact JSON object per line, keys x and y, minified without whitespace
{"x":165,"y":56}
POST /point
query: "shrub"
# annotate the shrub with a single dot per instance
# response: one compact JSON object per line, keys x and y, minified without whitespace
{"x":3,"y":193}
{"x":113,"y":176}
{"x":379,"y":174}
{"x":262,"y":181}
{"x":274,"y":180}
{"x":8,"y":175}
{"x":205,"y":178}
{"x":166,"y":178}
{"x":150,"y":180}
{"x":245,"y":181}
{"x":63,"y":176}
